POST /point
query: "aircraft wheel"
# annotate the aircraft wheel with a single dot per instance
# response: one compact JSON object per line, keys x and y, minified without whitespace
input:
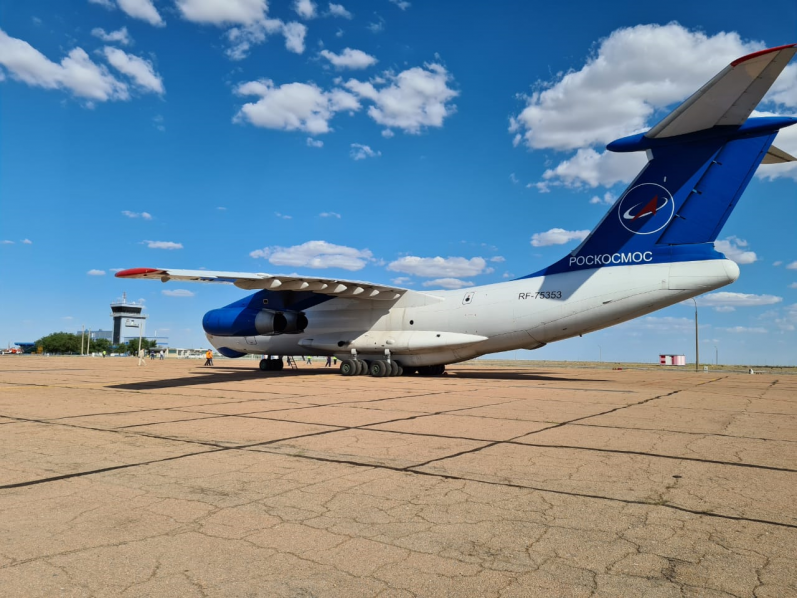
{"x":400,"y":370}
{"x":379,"y":368}
{"x":364,"y":367}
{"x":394,"y":368}
{"x":278,"y":364}
{"x":349,"y":367}
{"x":264,"y":365}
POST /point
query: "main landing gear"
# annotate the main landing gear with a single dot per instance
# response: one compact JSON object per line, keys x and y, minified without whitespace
{"x":271,"y":365}
{"x":381,"y":368}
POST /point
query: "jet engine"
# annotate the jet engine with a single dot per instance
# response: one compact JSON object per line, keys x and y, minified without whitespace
{"x":236,"y":321}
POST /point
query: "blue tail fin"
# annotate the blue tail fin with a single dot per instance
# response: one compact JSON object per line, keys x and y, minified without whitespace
{"x":701,"y":158}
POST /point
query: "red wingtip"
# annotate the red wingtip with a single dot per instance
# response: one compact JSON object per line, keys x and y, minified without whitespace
{"x":137,"y":272}
{"x":761,"y":53}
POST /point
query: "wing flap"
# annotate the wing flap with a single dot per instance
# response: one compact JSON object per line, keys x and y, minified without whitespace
{"x":255,"y":281}
{"x":730,"y":97}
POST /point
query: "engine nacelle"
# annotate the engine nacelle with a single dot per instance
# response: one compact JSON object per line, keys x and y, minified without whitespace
{"x":236,"y":321}
{"x":296,"y":322}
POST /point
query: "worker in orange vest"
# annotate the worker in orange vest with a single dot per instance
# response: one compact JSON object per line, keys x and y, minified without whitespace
{"x":209,"y":357}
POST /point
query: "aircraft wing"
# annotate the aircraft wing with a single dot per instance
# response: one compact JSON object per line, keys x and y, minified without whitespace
{"x":273,"y":282}
{"x":730,"y":97}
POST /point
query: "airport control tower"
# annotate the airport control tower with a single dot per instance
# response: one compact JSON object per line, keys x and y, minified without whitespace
{"x":125,"y":315}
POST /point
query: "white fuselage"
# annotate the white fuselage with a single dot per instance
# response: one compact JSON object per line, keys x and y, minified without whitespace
{"x":449,"y":326}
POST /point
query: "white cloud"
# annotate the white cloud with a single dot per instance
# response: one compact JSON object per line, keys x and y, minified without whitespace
{"x":316,"y":254}
{"x":219,"y":12}
{"x":734,"y":249}
{"x":402,"y":4}
{"x":377,"y":26}
{"x":557,"y":236}
{"x":329,"y":215}
{"x":792,"y":266}
{"x":163,"y":245}
{"x":104,"y":3}
{"x":788,"y":321}
{"x":448,"y":283}
{"x":497,"y":259}
{"x":293,"y":106}
{"x":144,"y":215}
{"x":337,"y":10}
{"x":793,"y":285}
{"x":453,"y":267}
{"x":623,"y":84}
{"x":777,"y":263}
{"x":591,"y":168}
{"x":178,"y":293}
{"x":283,"y":216}
{"x":608,"y":199}
{"x":247,"y":21}
{"x":138,"y":69}
{"x":76,"y":73}
{"x":314,"y":142}
{"x":624,"y":87}
{"x":745,"y":330}
{"x":412,"y":100}
{"x":142,"y":9}
{"x":222,"y":208}
{"x":724,"y":309}
{"x":401,"y":280}
{"x":120,"y":36}
{"x":305,"y":8}
{"x":6,"y":242}
{"x":361,"y":152}
{"x":727,"y":298}
{"x":96,"y":272}
{"x":27,"y":242}
{"x":387,"y":133}
{"x":349,"y":59}
{"x":663,"y":324}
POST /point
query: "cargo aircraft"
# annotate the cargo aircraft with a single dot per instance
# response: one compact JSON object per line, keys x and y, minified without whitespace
{"x":652,"y":249}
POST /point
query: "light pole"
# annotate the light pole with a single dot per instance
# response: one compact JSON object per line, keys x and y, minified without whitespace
{"x":716,"y":355}
{"x":697,"y":346}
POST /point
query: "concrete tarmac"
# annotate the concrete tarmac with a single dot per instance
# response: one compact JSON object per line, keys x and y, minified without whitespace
{"x":177,"y":480}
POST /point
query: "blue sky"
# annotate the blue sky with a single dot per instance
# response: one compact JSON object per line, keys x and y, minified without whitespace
{"x":362,"y":140}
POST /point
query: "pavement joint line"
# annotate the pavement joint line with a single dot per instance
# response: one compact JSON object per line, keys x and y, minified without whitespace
{"x":369,"y":427}
{"x":655,"y":455}
{"x":492,"y":444}
{"x":80,"y":474}
{"x":685,"y":432}
{"x":414,"y":471}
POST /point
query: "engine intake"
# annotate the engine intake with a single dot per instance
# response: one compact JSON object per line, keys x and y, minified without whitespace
{"x":234,"y":321}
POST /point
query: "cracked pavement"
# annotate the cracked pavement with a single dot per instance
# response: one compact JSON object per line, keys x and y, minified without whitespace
{"x":178,"y":480}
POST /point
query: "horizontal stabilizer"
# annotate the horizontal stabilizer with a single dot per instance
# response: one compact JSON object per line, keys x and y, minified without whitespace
{"x":730,"y":97}
{"x":775,"y":155}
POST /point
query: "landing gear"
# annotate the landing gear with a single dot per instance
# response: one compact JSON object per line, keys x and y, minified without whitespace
{"x":379,"y":368}
{"x":349,"y":367}
{"x":271,"y":365}
{"x":364,"y":367}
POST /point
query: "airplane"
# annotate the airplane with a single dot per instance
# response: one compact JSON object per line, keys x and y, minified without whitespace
{"x":652,"y":249}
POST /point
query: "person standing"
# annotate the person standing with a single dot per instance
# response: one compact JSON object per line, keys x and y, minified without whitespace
{"x":161,"y":356}
{"x":328,"y":364}
{"x":209,"y":357}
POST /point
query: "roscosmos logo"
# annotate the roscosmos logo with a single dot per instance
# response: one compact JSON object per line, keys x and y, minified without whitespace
{"x":646,"y":209}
